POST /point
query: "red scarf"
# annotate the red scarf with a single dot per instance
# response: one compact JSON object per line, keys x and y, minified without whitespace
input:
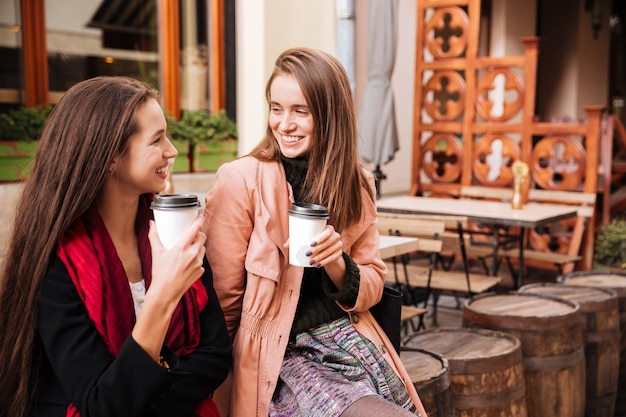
{"x":89,"y":255}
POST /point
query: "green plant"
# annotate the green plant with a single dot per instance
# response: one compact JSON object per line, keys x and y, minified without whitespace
{"x":23,"y":123}
{"x":202,"y":126}
{"x":610,"y":245}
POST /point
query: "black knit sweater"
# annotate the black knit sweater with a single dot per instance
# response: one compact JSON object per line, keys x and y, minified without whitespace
{"x":318,"y":293}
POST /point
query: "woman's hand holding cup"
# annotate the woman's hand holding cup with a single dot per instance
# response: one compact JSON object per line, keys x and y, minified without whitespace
{"x":177,"y":268}
{"x":313,"y":242}
{"x":177,"y":242}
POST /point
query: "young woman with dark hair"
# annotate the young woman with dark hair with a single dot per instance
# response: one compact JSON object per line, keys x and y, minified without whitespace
{"x":97,"y":317}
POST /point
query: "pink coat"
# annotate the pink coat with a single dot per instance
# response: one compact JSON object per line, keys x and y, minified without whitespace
{"x":247,"y":226}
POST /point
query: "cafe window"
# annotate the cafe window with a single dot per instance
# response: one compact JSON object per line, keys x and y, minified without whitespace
{"x":102,"y":37}
{"x":10,"y":52}
{"x":87,"y":38}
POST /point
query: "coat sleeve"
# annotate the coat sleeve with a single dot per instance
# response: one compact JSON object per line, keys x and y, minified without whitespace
{"x":131,"y":383}
{"x":365,"y":253}
{"x":229,"y":221}
{"x":208,"y":365}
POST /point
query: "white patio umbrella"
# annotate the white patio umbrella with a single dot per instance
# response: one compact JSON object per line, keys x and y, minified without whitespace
{"x":377,"y":119}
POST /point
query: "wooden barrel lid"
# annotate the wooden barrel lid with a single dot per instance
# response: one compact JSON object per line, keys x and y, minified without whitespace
{"x":580,"y":294}
{"x":613,"y":280}
{"x":421,"y":365}
{"x":463,"y":347}
{"x":526,"y":311}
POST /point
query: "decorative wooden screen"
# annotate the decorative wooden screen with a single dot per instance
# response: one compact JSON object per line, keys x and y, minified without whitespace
{"x":474,"y":115}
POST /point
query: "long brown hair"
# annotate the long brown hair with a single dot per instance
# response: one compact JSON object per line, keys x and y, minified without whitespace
{"x":335,"y":177}
{"x":89,"y":126}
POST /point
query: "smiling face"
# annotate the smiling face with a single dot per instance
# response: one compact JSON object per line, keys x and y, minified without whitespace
{"x":290,"y":118}
{"x":144,"y":168}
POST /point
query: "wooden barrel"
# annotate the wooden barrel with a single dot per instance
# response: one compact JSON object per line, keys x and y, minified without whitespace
{"x":617,"y":282}
{"x":550,"y":332}
{"x":430,"y":375}
{"x":600,"y":314}
{"x":486,"y":372}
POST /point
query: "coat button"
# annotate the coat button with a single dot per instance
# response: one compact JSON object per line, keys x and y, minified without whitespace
{"x":383,"y":349}
{"x":355,"y":318}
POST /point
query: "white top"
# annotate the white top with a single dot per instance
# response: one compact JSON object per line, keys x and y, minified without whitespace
{"x":138,"y":290}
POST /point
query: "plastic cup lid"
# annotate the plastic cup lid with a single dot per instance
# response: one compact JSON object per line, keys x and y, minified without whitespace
{"x":309,"y":211}
{"x":174,"y":201}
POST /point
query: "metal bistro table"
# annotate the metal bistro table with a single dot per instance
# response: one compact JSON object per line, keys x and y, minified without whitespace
{"x":391,"y":246}
{"x":490,"y":212}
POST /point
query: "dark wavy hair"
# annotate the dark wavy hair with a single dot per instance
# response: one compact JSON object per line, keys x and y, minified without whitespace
{"x":335,"y":177}
{"x":85,"y":131}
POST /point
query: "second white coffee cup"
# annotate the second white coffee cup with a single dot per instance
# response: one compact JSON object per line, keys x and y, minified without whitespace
{"x":306,"y":222}
{"x":173,"y":215}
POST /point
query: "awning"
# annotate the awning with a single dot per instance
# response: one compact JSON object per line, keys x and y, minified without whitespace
{"x":137,"y":17}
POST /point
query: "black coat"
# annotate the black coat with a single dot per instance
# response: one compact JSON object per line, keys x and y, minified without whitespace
{"x":75,"y":366}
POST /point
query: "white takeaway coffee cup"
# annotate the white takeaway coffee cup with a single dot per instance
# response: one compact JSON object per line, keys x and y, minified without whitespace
{"x":173,"y":215}
{"x":306,"y":222}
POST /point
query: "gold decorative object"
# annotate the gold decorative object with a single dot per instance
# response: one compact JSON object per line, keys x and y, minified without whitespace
{"x":520,"y":172}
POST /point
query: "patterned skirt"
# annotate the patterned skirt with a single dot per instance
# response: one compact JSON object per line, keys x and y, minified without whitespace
{"x":330,"y":367}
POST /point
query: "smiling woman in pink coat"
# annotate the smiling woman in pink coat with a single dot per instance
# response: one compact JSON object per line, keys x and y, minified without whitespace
{"x":305,"y":343}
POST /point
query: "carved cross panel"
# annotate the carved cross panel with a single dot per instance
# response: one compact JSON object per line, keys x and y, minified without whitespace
{"x":444,"y":95}
{"x":492,"y":94}
{"x":442,"y":158}
{"x":446,"y":32}
{"x":493,"y":158}
{"x":558,"y":163}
